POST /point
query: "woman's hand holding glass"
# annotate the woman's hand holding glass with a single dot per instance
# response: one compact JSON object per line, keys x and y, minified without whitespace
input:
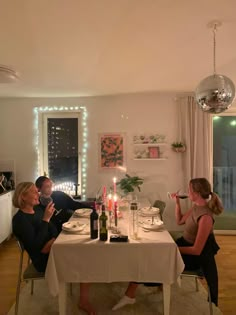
{"x":179,"y":194}
{"x":48,"y":212}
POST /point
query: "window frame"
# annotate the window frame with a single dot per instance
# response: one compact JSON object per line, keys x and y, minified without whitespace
{"x":43,"y":143}
{"x":230,"y":112}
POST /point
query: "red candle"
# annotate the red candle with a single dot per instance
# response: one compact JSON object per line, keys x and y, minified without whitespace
{"x":109,"y":202}
{"x":115,"y":209}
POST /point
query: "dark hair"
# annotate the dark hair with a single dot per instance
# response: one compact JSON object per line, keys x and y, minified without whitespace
{"x":203,"y":188}
{"x":40,"y":180}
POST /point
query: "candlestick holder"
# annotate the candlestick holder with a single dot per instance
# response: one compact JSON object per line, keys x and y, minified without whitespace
{"x":110,"y":219}
{"x":115,"y":228}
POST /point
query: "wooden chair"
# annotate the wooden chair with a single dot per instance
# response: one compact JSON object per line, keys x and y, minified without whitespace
{"x":29,"y":274}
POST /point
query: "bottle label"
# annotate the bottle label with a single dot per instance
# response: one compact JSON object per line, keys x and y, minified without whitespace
{"x":95,"y":224}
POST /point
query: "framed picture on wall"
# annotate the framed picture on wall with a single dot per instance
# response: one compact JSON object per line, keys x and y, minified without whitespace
{"x":111,"y":150}
{"x":154,"y":152}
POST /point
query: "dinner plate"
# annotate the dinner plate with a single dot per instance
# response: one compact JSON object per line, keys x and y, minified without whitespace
{"x":153,"y":227}
{"x":149,"y":211}
{"x":73,"y":226}
{"x":83,"y":212}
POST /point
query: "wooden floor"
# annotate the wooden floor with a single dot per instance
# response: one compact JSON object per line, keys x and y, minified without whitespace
{"x":226,"y":258}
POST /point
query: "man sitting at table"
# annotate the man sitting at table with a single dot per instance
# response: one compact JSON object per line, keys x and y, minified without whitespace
{"x":61,"y":200}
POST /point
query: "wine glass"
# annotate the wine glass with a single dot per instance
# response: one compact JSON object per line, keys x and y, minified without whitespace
{"x":180,"y":193}
{"x":45,"y":201}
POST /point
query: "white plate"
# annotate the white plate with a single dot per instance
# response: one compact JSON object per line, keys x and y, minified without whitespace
{"x":73,"y":226}
{"x":83,"y":212}
{"x":147,"y":211}
{"x":147,"y":225}
{"x":153,"y":227}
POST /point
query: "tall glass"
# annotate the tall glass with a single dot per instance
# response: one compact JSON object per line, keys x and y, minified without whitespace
{"x":133,"y":220}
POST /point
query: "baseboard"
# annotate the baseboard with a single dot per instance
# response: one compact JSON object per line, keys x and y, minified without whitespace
{"x":225,"y":232}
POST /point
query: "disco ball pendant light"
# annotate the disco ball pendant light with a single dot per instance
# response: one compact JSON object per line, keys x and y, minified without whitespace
{"x":215,"y":93}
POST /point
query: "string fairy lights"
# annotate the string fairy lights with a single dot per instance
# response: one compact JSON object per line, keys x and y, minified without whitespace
{"x":84,"y":131}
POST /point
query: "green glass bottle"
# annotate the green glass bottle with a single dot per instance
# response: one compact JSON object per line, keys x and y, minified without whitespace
{"x":103,"y":225}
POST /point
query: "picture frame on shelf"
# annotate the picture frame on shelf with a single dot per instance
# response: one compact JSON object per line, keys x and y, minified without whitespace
{"x":111,"y":150}
{"x":154,"y":152}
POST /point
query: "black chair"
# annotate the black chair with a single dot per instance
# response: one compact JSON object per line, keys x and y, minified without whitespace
{"x":198,"y":274}
{"x":161,"y":205}
{"x":207,"y":269}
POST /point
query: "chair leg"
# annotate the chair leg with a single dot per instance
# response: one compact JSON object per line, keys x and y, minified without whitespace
{"x":19,"y":283}
{"x":32,"y":287}
{"x":196,"y":282}
{"x":17,"y":295}
{"x":179,"y":281}
{"x":210,"y":303}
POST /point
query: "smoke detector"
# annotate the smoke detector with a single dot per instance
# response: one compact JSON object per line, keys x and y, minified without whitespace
{"x":8,"y":75}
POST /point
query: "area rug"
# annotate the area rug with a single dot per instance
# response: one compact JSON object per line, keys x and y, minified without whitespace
{"x":184,"y":300}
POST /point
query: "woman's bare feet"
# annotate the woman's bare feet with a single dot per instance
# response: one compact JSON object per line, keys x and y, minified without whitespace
{"x":87,"y":307}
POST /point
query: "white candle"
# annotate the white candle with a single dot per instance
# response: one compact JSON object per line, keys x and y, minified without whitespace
{"x":114,"y":185}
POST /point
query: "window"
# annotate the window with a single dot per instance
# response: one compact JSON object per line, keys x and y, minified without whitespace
{"x":224,"y":168}
{"x":60,"y":148}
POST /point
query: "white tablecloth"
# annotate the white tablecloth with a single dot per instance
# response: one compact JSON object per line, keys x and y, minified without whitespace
{"x":77,"y":258}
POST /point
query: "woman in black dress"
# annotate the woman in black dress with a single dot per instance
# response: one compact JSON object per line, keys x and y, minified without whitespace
{"x":34,"y":229}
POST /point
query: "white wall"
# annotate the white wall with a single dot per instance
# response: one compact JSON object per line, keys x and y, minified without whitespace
{"x":146,"y":112}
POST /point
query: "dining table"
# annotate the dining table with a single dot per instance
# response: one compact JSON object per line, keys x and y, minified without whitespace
{"x":76,"y":258}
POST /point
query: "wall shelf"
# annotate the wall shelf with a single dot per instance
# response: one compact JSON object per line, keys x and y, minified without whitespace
{"x":150,"y":144}
{"x":147,"y":147}
{"x":149,"y":159}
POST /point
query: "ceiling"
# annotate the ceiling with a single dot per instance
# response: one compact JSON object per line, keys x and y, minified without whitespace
{"x":98,"y":47}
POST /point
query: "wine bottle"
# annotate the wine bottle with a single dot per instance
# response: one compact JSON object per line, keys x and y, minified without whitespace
{"x":94,"y":224}
{"x":103,"y":224}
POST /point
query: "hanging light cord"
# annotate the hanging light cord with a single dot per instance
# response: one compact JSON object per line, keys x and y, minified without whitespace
{"x":214,"y":48}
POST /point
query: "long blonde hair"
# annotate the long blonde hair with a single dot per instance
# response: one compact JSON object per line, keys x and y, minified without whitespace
{"x":203,"y":188}
{"x":21,"y":189}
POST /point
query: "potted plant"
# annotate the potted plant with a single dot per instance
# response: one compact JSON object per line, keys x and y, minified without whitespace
{"x":178,"y":146}
{"x":128,"y":184}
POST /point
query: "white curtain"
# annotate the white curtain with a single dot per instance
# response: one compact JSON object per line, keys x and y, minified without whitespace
{"x":195,"y":130}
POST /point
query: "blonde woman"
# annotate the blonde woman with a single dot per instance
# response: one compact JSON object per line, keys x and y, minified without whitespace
{"x":198,"y":245}
{"x":34,"y":229}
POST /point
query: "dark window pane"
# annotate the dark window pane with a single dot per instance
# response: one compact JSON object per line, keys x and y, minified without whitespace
{"x":63,"y":149}
{"x":224,"y":168}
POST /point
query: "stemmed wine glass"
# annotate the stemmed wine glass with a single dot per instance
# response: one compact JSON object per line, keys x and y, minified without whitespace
{"x":180,"y":193}
{"x":45,"y":201}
